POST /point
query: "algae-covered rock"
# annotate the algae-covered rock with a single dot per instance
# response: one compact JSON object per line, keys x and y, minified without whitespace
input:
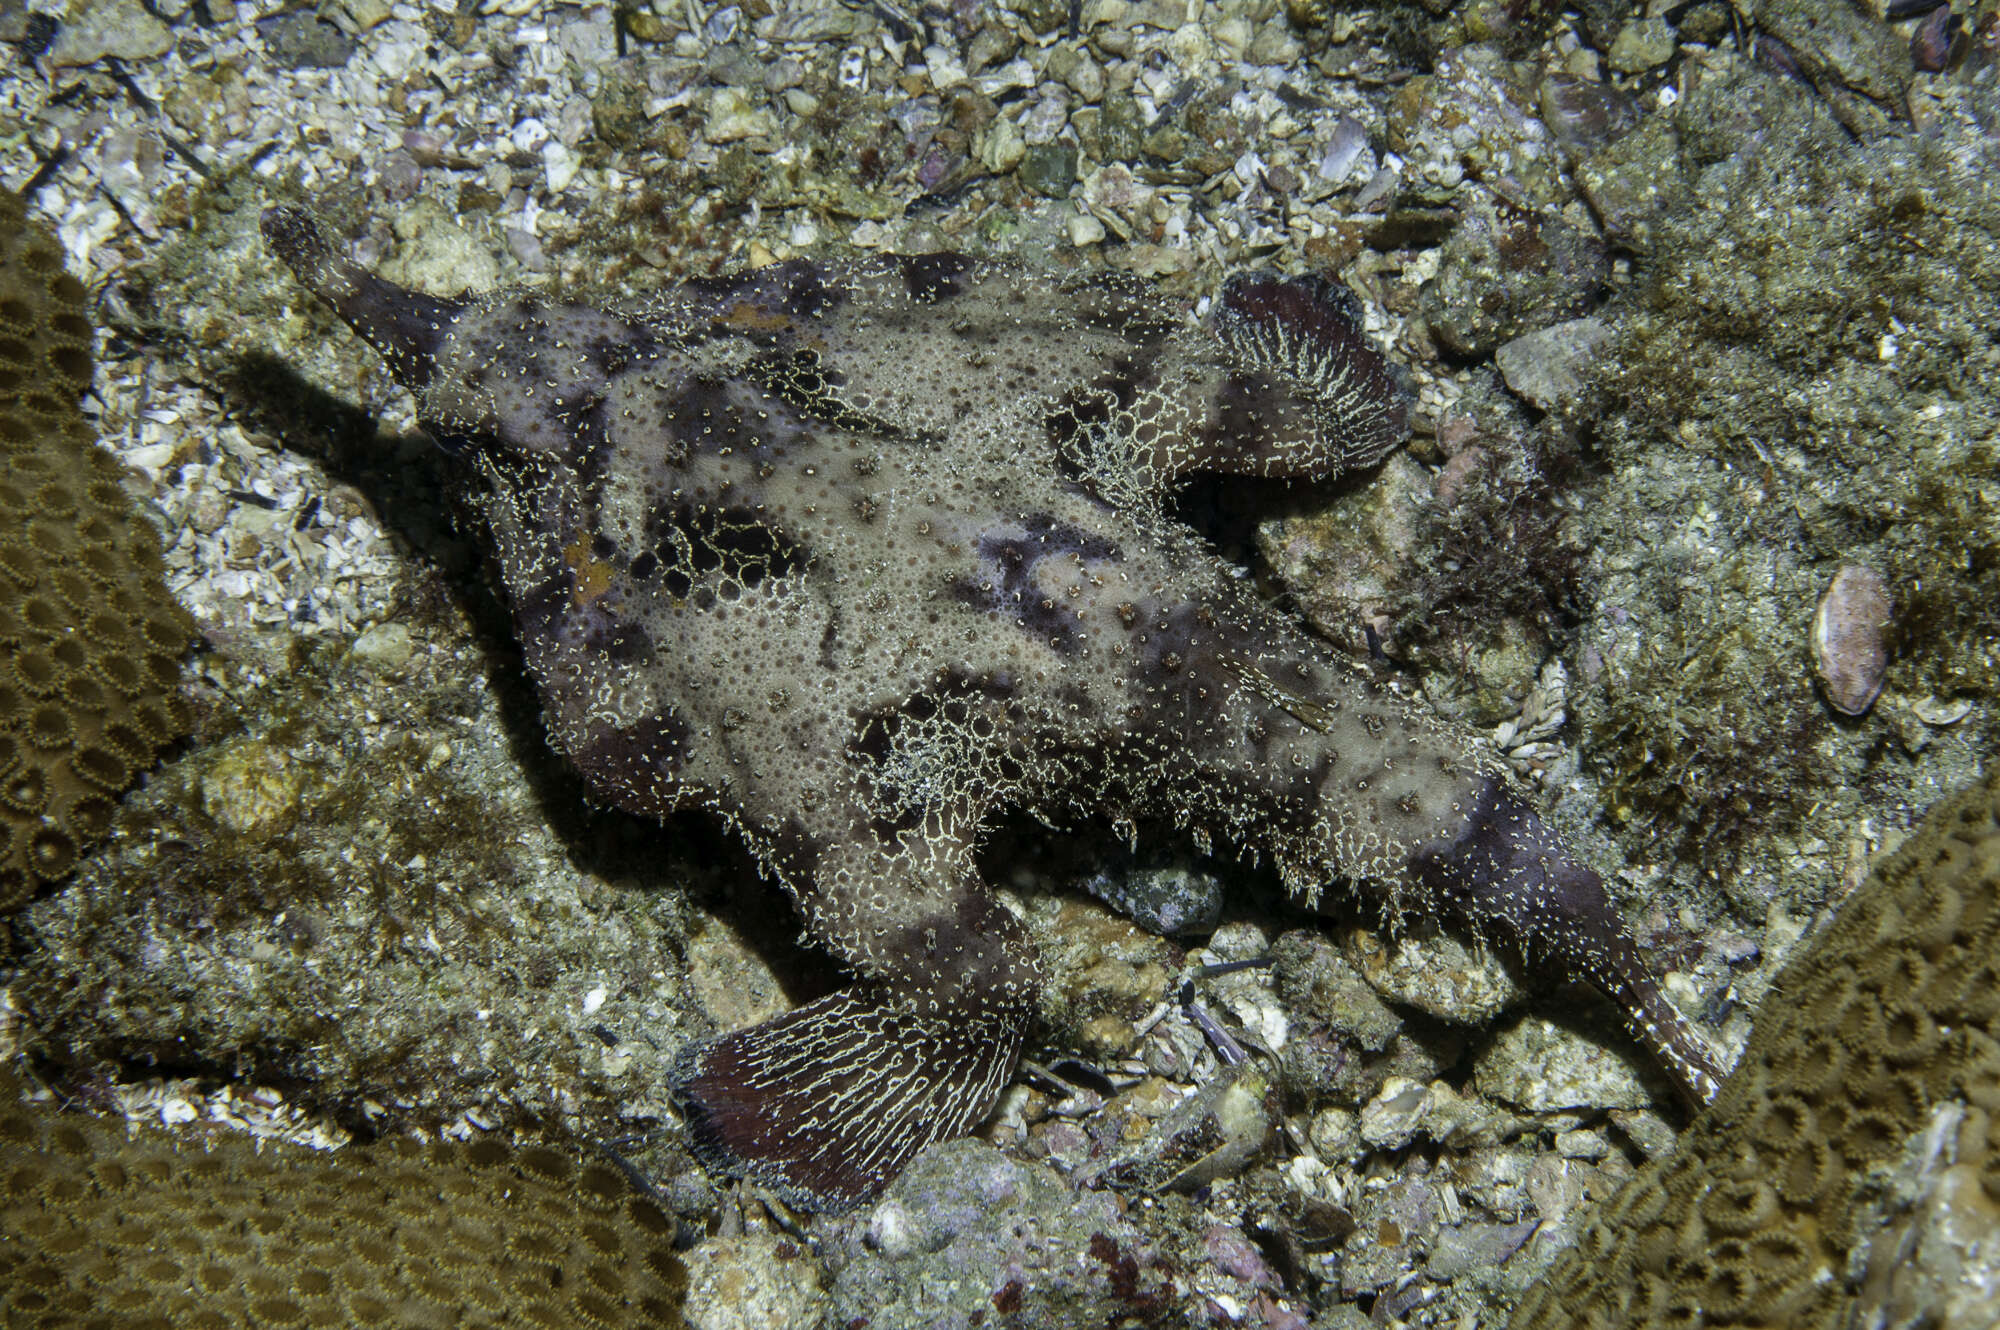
{"x":1506,"y":271}
{"x":966,"y":1233}
{"x":1791,"y":390}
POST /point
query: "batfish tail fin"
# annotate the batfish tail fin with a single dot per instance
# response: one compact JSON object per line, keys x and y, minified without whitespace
{"x":1509,"y":875}
{"x":407,"y":327}
{"x":828,"y":1102}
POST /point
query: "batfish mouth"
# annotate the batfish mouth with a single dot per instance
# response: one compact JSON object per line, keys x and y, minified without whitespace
{"x":407,"y":327}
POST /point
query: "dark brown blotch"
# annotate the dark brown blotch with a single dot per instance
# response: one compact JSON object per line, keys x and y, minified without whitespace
{"x":932,"y":278}
{"x":697,"y":546}
{"x":641,"y":766}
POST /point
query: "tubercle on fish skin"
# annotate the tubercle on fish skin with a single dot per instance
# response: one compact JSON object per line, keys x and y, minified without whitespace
{"x":857,"y":554}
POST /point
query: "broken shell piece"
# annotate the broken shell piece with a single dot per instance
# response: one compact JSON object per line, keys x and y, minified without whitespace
{"x":1938,"y":712}
{"x":1848,"y":643}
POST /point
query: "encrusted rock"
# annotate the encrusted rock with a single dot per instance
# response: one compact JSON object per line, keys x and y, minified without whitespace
{"x":1540,"y":1066}
{"x":966,"y":1233}
{"x":1547,"y":367}
{"x":754,"y":1281}
{"x":1438,"y":974}
{"x":1508,"y":270}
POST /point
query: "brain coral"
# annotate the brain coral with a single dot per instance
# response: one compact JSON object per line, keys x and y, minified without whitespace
{"x":1893,"y":1012}
{"x":152,"y":1230}
{"x":90,"y":638}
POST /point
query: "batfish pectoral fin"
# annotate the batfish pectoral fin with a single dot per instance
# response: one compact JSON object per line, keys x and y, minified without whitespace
{"x":827,"y":1103}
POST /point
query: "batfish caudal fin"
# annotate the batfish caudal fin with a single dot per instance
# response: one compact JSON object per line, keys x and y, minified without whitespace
{"x":827,"y":1103}
{"x":407,"y":327}
{"x":1509,"y":875}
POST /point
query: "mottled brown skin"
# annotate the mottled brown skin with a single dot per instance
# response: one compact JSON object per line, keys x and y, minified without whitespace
{"x":856,"y":555}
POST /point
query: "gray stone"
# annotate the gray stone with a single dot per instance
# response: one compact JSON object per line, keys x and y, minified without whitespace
{"x":302,"y":39}
{"x":1505,"y":271}
{"x":1548,"y":367}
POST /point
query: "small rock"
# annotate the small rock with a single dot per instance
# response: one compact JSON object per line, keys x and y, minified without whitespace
{"x":1583,"y":1143}
{"x":1232,"y":1252}
{"x":1098,"y":965}
{"x":436,"y":254}
{"x":366,"y":14}
{"x":1439,"y":976}
{"x":977,"y":1233}
{"x":1646,"y":1129}
{"x":385,"y":647}
{"x":1634,"y":183}
{"x":1936,"y":711}
{"x":1463,"y":1249}
{"x":1841,"y":46}
{"x":302,"y":39}
{"x":1541,"y":1067}
{"x":1085,"y":78}
{"x":1546,"y":368}
{"x":1642,"y":44}
{"x":1167,"y":900}
{"x":1405,"y":1109}
{"x":1323,"y":985}
{"x":758,"y":1281}
{"x":891,"y":1230}
{"x":1084,"y":229}
{"x":734,"y":116}
{"x":1584,"y":113}
{"x":1389,"y":1121}
{"x":559,"y":165}
{"x":93,"y":29}
{"x":1049,"y":169}
{"x":1334,"y":1132}
{"x":1001,"y":146}
{"x":253,"y":788}
{"x":1507,"y":270}
{"x":1211,"y":1134}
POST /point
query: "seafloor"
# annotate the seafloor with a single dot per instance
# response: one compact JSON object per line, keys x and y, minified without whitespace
{"x":1699,"y":307}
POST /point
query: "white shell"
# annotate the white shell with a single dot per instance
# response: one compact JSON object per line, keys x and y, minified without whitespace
{"x":1848,"y":644}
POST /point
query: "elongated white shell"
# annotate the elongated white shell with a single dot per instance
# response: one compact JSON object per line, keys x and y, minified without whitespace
{"x":1849,"y":647}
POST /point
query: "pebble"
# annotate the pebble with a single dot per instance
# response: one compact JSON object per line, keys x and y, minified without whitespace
{"x":1542,"y":1067}
{"x":733,"y":116}
{"x":758,"y":1281}
{"x":385,"y":646}
{"x":1438,"y":975}
{"x":94,"y":29}
{"x":253,"y":788}
{"x":1642,"y":44}
{"x":1084,"y":229}
{"x":1547,"y":367}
